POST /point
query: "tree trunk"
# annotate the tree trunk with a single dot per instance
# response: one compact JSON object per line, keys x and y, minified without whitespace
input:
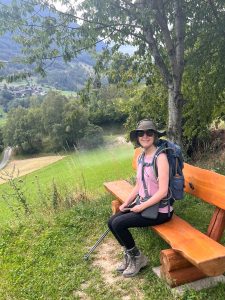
{"x":175,"y":104}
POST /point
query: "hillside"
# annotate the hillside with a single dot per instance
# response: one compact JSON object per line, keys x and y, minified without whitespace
{"x":71,"y":76}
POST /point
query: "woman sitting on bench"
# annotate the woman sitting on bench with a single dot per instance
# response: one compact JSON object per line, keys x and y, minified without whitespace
{"x":148,"y":192}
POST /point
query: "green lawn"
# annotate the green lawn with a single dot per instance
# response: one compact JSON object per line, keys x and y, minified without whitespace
{"x":84,"y":171}
{"x":43,"y":258}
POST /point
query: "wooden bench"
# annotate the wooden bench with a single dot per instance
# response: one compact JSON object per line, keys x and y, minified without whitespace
{"x":193,"y":254}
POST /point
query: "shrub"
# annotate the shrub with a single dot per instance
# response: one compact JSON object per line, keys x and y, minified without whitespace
{"x":93,"y":137}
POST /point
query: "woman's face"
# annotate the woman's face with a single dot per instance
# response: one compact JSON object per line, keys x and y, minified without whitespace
{"x":146,"y":138}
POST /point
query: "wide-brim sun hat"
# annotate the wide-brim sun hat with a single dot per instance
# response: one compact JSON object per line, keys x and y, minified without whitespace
{"x":145,"y":125}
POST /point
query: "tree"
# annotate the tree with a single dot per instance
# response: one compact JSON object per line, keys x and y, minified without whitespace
{"x":204,"y":76}
{"x":75,"y":118}
{"x":23,"y":128}
{"x":52,"y":118}
{"x":157,"y":27}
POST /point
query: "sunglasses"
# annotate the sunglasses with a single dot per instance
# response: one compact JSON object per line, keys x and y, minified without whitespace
{"x":148,"y":132}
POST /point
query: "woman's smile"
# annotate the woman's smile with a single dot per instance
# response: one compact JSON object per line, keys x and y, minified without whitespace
{"x":146,"y":138}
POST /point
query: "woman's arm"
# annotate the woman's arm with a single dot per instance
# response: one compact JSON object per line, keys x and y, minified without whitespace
{"x":163,"y":179}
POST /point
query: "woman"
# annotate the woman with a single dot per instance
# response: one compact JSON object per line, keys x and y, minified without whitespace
{"x":146,"y":135}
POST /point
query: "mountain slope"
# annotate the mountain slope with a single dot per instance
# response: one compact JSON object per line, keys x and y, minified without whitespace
{"x":70,"y":76}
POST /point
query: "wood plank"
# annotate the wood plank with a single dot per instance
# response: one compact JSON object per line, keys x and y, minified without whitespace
{"x":206,"y":185}
{"x":137,"y":152}
{"x":181,"y":276}
{"x":120,"y":189}
{"x":217,"y":225}
{"x":172,"y":260}
{"x":203,"y":252}
{"x":115,"y":206}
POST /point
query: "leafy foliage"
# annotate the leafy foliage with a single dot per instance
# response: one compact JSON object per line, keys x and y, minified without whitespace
{"x":204,"y":77}
{"x":51,"y":124}
{"x":93,"y":137}
{"x":22,"y":129}
{"x":172,"y":37}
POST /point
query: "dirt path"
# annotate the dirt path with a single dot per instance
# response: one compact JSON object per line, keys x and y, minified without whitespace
{"x":106,"y":259}
{"x":26,"y":166}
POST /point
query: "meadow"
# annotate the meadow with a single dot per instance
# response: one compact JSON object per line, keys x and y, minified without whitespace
{"x":42,"y":252}
{"x":79,"y":171}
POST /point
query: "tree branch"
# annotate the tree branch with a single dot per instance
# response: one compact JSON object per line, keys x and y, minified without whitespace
{"x":180,"y":32}
{"x":157,"y":57}
{"x":158,"y":10}
{"x":104,"y":25}
{"x":81,"y":49}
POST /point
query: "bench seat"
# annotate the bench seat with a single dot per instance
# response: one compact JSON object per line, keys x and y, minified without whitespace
{"x":199,"y":249}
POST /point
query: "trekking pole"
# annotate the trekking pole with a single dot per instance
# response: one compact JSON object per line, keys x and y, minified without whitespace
{"x":87,"y":255}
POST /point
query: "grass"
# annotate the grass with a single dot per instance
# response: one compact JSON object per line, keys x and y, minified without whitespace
{"x":42,"y":256}
{"x":84,"y":171}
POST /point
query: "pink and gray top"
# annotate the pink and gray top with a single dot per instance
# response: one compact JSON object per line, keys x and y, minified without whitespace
{"x":151,"y":181}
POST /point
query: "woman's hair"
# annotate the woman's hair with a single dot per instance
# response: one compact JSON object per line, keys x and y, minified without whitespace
{"x":156,"y":138}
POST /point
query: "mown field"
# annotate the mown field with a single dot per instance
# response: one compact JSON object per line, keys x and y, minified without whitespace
{"x":42,"y":253}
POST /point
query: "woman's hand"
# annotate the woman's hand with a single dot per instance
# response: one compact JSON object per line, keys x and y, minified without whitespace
{"x":137,"y":208}
{"x":124,"y":205}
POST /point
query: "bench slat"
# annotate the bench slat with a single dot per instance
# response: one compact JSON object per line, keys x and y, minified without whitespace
{"x":196,"y":247}
{"x":205,"y":184}
{"x":120,"y":189}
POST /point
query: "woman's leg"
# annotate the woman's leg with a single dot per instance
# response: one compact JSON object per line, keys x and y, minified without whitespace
{"x":134,"y":260}
{"x":110,"y":222}
{"x":124,"y":264}
{"x":120,"y":223}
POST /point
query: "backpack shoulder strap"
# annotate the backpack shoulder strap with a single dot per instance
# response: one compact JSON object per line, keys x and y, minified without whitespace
{"x":161,"y":149}
{"x":141,"y":160}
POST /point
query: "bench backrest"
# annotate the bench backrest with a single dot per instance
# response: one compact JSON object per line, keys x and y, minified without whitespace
{"x":204,"y":184}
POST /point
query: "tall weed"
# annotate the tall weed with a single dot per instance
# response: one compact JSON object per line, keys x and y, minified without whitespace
{"x":16,"y":192}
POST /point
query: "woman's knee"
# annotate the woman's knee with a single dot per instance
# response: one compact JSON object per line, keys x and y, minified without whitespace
{"x":110,"y":221}
{"x":113,"y":217}
{"x":117,"y":224}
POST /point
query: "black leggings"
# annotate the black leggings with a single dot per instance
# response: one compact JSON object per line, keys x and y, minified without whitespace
{"x":120,"y":222}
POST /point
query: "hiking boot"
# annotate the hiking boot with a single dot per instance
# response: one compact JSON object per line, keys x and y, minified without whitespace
{"x":122,"y":267}
{"x":135,"y":265}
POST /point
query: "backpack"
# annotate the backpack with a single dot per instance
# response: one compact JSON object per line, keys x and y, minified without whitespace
{"x":175,"y":159}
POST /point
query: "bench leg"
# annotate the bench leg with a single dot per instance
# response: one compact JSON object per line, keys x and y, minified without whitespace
{"x":217,"y":225}
{"x":115,"y":206}
{"x":176,"y":270}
